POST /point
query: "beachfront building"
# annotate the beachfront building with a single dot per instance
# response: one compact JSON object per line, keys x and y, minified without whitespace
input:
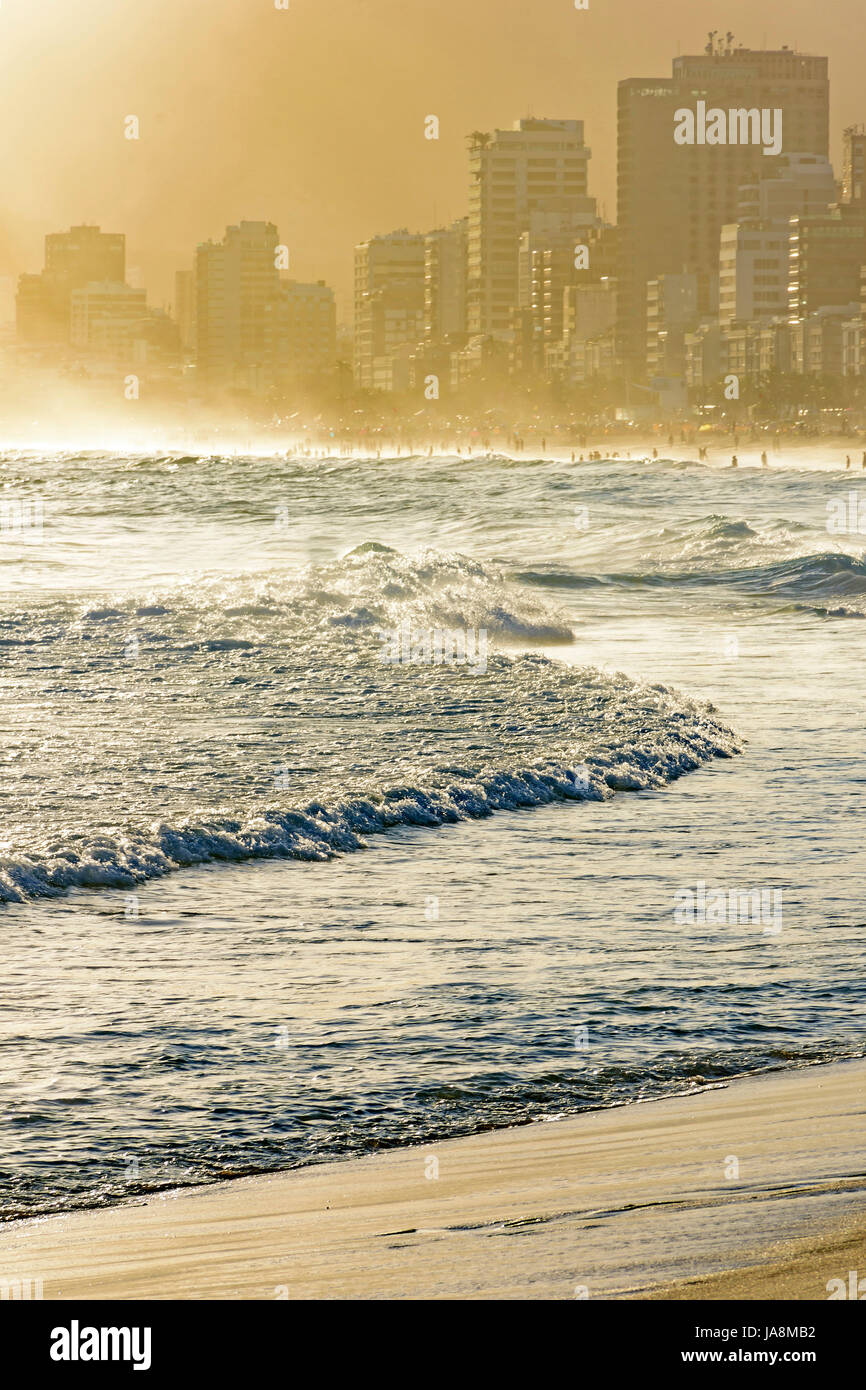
{"x":388,"y":298}
{"x":853,"y":344}
{"x":796,"y":185}
{"x":107,"y":319}
{"x":674,"y":199}
{"x":512,"y":174}
{"x":307,"y":330}
{"x":773,"y":346}
{"x":392,"y":326}
{"x":445,"y":252}
{"x":672,"y":311}
{"x":184,"y":308}
{"x":825,"y":343}
{"x":817,"y":341}
{"x":826,"y":257}
{"x":237,"y":294}
{"x":854,"y":166}
{"x":753,"y":270}
{"x":563,"y":246}
{"x":703,"y":354}
{"x":73,"y":259}
{"x":588,"y":340}
{"x":754,"y":251}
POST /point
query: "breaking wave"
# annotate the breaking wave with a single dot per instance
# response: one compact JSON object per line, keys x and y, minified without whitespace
{"x":825,"y":575}
{"x":622,"y":736}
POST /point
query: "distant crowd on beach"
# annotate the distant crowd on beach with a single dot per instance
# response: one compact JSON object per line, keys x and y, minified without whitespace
{"x":484,"y":448}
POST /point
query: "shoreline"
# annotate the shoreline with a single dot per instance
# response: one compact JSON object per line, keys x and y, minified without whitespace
{"x":748,"y":1189}
{"x":826,"y":453}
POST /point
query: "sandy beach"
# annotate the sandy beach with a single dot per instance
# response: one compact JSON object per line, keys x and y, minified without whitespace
{"x":750,"y":1190}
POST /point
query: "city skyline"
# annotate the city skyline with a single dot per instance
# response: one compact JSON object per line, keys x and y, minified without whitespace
{"x":533,"y":282}
{"x":433,"y":543}
{"x":296,"y":123}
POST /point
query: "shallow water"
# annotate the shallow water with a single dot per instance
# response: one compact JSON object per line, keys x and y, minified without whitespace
{"x":273,"y":899}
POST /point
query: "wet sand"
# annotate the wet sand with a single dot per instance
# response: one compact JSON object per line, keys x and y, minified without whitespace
{"x":755,"y":1188}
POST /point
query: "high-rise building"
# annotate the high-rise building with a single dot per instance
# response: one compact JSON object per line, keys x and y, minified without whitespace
{"x":86,"y":254}
{"x":106,"y":318}
{"x":703,"y":354}
{"x":672,"y":310}
{"x":826,"y":257}
{"x":753,"y":271}
{"x":73,"y":259}
{"x":674,"y":198}
{"x":392,"y":324}
{"x":817,"y":341}
{"x":562,"y":246}
{"x":308,"y":329}
{"x":589,"y":316}
{"x":512,"y":173}
{"x":39,"y":316}
{"x":853,"y":344}
{"x":237,"y":296}
{"x":445,"y":281}
{"x":773,"y":351}
{"x":556,"y":224}
{"x":797,"y":185}
{"x":389,"y":298}
{"x":854,"y":166}
{"x":754,"y":252}
{"x":184,"y":307}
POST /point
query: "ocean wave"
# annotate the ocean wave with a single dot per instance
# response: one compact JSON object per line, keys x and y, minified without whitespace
{"x":374,"y":585}
{"x":370,"y":588}
{"x":829,"y":573}
{"x":363,"y":1119}
{"x":671,"y":736}
{"x":826,"y":574}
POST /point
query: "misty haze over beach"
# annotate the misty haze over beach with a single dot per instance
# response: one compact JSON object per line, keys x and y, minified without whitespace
{"x":432,"y":598}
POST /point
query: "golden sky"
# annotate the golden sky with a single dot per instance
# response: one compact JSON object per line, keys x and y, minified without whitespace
{"x":313,"y":117}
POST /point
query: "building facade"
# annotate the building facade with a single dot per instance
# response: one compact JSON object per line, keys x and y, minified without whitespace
{"x":674,"y":198}
{"x":753,"y":270}
{"x":826,"y":256}
{"x":445,"y":255}
{"x":854,"y":166}
{"x":237,"y":298}
{"x":389,"y":298}
{"x":512,"y":173}
{"x":108,"y":319}
{"x":308,"y":330}
{"x":83,"y":255}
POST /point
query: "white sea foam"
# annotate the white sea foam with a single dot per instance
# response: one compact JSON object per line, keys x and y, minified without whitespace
{"x":675,"y":736}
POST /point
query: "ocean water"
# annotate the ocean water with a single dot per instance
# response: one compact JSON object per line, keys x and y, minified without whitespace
{"x":269,"y":898}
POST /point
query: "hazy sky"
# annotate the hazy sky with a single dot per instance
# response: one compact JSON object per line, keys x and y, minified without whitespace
{"x":314,"y":117}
